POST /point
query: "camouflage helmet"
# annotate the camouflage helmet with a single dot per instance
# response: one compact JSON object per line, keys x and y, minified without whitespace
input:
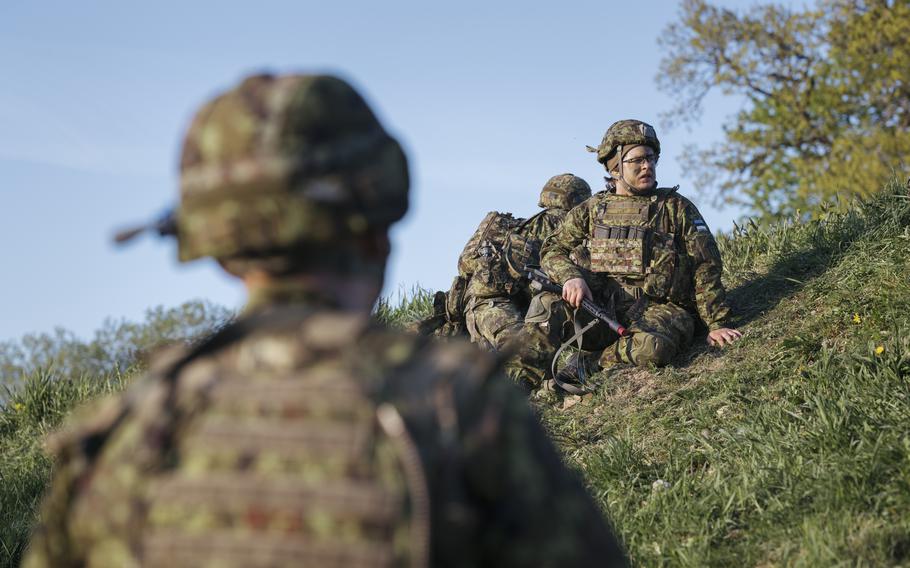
{"x":564,"y":191}
{"x":282,"y":161}
{"x":626,"y":133}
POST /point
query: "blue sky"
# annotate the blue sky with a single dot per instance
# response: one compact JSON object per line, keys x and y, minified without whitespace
{"x":490,"y":99}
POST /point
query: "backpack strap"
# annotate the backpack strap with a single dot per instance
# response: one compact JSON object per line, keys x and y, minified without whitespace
{"x":527,"y":221}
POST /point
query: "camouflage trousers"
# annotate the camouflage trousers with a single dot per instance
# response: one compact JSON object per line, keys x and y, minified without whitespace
{"x":493,"y":323}
{"x":659,"y":331}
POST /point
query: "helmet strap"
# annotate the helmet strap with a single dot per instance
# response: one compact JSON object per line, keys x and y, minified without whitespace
{"x":619,"y":155}
{"x":622,"y":177}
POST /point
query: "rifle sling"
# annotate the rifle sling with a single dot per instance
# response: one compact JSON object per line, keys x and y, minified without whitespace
{"x":579,"y":333}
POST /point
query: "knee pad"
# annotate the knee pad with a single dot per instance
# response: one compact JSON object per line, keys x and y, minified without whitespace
{"x":652,"y":349}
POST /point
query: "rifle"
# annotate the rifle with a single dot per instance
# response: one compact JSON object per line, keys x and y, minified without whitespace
{"x":541,"y":282}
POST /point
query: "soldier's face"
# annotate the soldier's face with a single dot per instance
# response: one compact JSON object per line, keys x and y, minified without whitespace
{"x":639,"y":169}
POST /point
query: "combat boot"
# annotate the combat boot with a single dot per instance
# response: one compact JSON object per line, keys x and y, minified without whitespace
{"x":577,"y":371}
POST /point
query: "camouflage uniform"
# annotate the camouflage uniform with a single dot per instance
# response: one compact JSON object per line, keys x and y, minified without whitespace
{"x":652,"y":259}
{"x":304,"y":434}
{"x":496,"y":293}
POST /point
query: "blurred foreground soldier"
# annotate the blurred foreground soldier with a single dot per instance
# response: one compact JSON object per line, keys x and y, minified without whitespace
{"x":490,"y":295}
{"x":653,"y":261}
{"x":304,"y":434}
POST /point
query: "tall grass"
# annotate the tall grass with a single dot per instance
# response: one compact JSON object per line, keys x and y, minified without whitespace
{"x":35,"y":407}
{"x":406,"y":308}
{"x":45,"y":376}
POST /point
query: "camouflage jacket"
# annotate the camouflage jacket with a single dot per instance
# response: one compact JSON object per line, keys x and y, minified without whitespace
{"x":308,"y":437}
{"x":483,"y":263}
{"x":658,"y":245}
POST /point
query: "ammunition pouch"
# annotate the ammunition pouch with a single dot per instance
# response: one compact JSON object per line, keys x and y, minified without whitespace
{"x":620,"y":251}
{"x":492,"y":280}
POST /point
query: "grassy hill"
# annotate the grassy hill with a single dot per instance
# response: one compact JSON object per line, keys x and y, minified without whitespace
{"x":792,"y":447}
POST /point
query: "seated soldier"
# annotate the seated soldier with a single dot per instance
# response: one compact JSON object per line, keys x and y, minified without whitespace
{"x":652,"y":260}
{"x":490,"y":268}
{"x":304,"y":434}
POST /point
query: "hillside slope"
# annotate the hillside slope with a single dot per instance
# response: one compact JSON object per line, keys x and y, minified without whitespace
{"x":792,"y":447}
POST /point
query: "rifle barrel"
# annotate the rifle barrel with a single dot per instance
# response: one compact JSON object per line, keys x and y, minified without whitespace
{"x":603,"y":316}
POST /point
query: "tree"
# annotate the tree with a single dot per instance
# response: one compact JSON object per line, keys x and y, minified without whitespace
{"x":826,"y":90}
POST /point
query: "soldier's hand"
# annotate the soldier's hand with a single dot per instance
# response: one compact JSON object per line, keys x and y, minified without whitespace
{"x":723,"y":336}
{"x":575,"y":290}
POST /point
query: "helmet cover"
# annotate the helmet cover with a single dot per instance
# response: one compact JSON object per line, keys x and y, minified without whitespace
{"x":626,"y":133}
{"x":564,"y":191}
{"x":282,"y":161}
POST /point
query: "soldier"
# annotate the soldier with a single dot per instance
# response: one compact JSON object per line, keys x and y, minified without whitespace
{"x":652,"y":259}
{"x":305,"y":434}
{"x":496,"y":293}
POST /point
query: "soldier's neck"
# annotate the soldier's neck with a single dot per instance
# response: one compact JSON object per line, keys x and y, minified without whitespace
{"x":335,"y":291}
{"x":623,"y":188}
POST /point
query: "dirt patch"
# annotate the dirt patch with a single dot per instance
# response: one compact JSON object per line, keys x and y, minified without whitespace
{"x":626,"y":384}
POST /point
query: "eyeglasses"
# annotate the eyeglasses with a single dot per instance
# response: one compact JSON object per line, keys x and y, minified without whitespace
{"x":652,"y":159}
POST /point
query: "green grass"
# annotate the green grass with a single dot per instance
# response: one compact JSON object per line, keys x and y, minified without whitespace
{"x":792,"y":447}
{"x":34,"y":408}
{"x":789,"y":448}
{"x":406,"y":308}
{"x":46,"y":376}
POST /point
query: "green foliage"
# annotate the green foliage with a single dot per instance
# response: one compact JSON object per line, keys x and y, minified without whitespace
{"x":827,"y":98}
{"x":116,"y":346}
{"x":789,"y":447}
{"x":410,"y":307}
{"x":45,"y":376}
{"x":38,"y":404}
